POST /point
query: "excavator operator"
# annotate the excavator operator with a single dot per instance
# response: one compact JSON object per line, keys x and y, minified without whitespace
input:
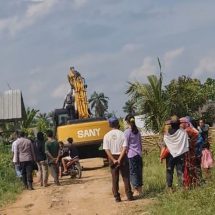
{"x":69,"y":104}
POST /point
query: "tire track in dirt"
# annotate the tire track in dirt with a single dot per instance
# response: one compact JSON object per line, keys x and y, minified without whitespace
{"x":89,"y":195}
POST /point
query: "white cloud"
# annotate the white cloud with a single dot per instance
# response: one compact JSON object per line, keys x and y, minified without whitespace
{"x":132,"y":47}
{"x":150,"y":65}
{"x":7,"y":23}
{"x":79,"y":3}
{"x":147,"y":68}
{"x":36,"y":87}
{"x":31,"y":15}
{"x":34,"y":0}
{"x":206,"y":66}
{"x":170,"y":56}
{"x":60,"y":91}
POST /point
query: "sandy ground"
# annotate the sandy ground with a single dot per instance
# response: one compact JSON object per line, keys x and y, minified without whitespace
{"x":89,"y":195}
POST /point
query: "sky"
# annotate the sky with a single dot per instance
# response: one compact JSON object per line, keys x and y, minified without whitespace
{"x":110,"y":42}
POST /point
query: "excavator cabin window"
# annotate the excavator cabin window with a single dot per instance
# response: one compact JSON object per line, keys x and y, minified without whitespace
{"x":62,"y":119}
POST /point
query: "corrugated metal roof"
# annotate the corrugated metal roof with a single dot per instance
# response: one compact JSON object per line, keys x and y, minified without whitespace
{"x":11,"y":105}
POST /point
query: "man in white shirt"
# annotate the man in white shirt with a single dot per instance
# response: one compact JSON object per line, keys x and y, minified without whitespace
{"x":13,"y":149}
{"x":115,"y":146}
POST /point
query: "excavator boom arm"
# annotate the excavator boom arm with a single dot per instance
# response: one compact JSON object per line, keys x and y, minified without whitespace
{"x":77,"y":82}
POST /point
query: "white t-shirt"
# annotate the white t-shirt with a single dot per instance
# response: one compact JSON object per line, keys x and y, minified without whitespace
{"x":13,"y":149}
{"x":114,"y":140}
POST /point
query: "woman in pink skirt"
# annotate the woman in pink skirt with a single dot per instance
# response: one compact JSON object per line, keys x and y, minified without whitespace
{"x":206,"y":161}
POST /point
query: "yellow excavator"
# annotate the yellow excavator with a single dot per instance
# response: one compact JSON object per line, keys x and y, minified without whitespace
{"x":75,"y":120}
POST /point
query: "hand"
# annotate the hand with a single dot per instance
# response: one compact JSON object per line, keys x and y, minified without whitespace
{"x":115,"y":161}
{"x":119,"y":161}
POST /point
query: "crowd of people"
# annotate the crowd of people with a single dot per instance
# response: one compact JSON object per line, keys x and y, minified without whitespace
{"x":41,"y":155}
{"x":186,"y":147}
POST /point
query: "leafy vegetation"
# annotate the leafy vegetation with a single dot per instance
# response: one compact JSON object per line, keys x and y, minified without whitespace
{"x":151,"y":100}
{"x":182,"y":97}
{"x":197,"y":201}
{"x":186,"y":96}
{"x":10,"y":186}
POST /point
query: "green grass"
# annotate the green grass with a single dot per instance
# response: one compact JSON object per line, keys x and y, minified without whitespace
{"x":10,"y":186}
{"x":196,"y":201}
{"x":153,"y":175}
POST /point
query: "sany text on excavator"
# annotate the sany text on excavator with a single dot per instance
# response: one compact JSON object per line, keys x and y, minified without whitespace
{"x":75,"y":120}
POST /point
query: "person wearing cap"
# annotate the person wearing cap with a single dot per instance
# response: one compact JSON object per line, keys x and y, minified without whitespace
{"x":115,"y":146}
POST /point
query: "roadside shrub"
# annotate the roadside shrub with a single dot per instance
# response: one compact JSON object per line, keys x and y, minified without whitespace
{"x":10,"y":186}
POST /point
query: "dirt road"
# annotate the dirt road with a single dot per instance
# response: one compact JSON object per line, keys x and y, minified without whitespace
{"x":89,"y":195}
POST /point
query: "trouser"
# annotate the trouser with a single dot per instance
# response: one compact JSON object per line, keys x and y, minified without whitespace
{"x":170,"y":164}
{"x":136,"y":171}
{"x":198,"y":170}
{"x":43,"y":172}
{"x":123,"y":168}
{"x":54,"y":170}
{"x":27,"y":170}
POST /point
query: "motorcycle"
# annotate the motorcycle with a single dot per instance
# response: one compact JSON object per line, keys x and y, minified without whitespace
{"x":74,"y":168}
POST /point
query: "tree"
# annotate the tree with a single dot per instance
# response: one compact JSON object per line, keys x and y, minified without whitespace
{"x":152,"y":101}
{"x":42,"y":122}
{"x":30,"y":119}
{"x":186,"y":96}
{"x":209,"y":115}
{"x":130,"y":107}
{"x":209,"y":89}
{"x":99,"y":102}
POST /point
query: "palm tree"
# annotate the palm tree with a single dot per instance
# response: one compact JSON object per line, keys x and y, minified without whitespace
{"x":99,"y":102}
{"x":42,"y":120}
{"x":152,"y":101}
{"x":130,"y":107}
{"x":30,"y":119}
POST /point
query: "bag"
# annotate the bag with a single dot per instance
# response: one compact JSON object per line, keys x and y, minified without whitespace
{"x":164,"y":153}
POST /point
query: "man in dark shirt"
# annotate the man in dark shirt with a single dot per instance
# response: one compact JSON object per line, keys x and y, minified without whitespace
{"x":72,"y":153}
{"x":203,"y":130}
{"x":39,"y":146}
{"x":51,"y":150}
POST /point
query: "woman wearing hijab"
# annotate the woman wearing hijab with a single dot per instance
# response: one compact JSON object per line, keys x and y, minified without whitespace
{"x":190,"y":169}
{"x":176,"y":140}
